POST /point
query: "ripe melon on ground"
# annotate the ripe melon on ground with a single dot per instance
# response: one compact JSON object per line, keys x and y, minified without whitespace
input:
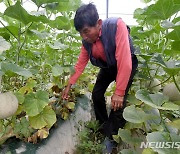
{"x":8,"y":105}
{"x":172,"y":92}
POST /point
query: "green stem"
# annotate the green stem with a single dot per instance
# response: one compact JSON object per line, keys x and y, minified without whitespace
{"x":145,"y":127}
{"x":19,"y":44}
{"x":12,"y":44}
{"x":8,"y":3}
{"x":163,"y":123}
{"x":175,"y":15}
{"x":162,"y":82}
{"x":27,"y":28}
{"x":176,"y":83}
{"x":8,"y":29}
{"x":19,"y":50}
{"x":148,"y":71}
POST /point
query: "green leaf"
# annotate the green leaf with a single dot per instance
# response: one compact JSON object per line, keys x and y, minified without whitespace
{"x":158,"y":100}
{"x":2,"y":128}
{"x":57,"y":70}
{"x":130,"y":125}
{"x":40,"y":2}
{"x":18,"y":12}
{"x":4,"y":45}
{"x":61,"y":23}
{"x":176,"y":20}
{"x":172,"y":67}
{"x":128,"y":151}
{"x":157,"y":118}
{"x":135,"y":115}
{"x":127,"y":137}
{"x":12,"y":29}
{"x":146,"y":1}
{"x":42,"y":35}
{"x":133,"y":100}
{"x":16,"y":69}
{"x":5,"y":35}
{"x":175,"y":123}
{"x":167,"y":24}
{"x":157,"y":58}
{"x":160,"y":137}
{"x":35,"y":102}
{"x":175,"y":34}
{"x":71,"y":5}
{"x":176,"y":45}
{"x":58,"y":45}
{"x":46,"y":118}
{"x":145,"y":56}
{"x":20,"y":97}
{"x":163,"y":9}
{"x":148,"y":151}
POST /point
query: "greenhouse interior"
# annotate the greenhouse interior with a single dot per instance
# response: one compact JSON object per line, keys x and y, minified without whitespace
{"x":89,"y":77}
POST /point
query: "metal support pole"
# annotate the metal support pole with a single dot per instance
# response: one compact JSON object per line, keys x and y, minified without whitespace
{"x":107,"y":8}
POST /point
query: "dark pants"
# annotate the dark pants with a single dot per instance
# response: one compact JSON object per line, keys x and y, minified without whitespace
{"x":115,"y":120}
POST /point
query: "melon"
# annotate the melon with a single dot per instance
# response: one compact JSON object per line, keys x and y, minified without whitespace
{"x":153,"y":85}
{"x":8,"y":105}
{"x":172,"y":92}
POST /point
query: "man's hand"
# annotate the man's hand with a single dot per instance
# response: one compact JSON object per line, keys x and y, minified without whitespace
{"x":65,"y":92}
{"x":117,"y":102}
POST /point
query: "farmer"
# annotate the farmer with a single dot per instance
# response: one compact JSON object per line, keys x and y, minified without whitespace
{"x":107,"y":45}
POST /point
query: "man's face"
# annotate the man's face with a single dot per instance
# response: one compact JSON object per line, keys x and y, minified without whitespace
{"x":90,"y":34}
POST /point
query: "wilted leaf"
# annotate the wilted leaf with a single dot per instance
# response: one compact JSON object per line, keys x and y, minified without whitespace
{"x":46,"y":118}
{"x":70,"y":105}
{"x":64,"y":115}
{"x":42,"y":133}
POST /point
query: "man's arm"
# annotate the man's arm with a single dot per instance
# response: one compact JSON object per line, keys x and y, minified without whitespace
{"x":79,"y":68}
{"x":124,"y":64}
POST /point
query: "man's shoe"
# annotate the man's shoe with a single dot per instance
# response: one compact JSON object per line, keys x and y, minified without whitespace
{"x":109,"y":146}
